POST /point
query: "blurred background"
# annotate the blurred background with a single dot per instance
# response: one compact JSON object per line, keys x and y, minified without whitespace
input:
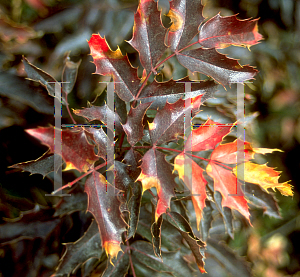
{"x":45,"y":30}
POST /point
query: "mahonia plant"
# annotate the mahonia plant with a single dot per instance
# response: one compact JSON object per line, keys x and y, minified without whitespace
{"x":137,"y":224}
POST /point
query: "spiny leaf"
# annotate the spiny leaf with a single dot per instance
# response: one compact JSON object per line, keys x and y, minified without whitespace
{"x":43,"y":165}
{"x":186,"y":231}
{"x":156,"y":236}
{"x":226,"y":183}
{"x":186,"y":16}
{"x":46,"y":80}
{"x":223,"y":31}
{"x":113,"y":63}
{"x":216,"y":65}
{"x":101,"y":113}
{"x":192,"y":174}
{"x":157,"y":172}
{"x":101,"y":140}
{"x":207,"y":135}
{"x":134,"y":209}
{"x":133,"y":159}
{"x":76,"y":151}
{"x":148,"y":34}
{"x":121,"y":267}
{"x":69,"y":74}
{"x":161,"y":92}
{"x":104,"y":204}
{"x":142,"y":252}
{"x":256,"y":196}
{"x":134,"y":124}
{"x":229,"y":260}
{"x":227,"y":153}
{"x":77,"y":253}
{"x":264,"y":176}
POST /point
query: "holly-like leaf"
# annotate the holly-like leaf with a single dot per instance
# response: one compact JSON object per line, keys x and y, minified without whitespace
{"x":207,"y":135}
{"x":43,"y":165}
{"x":157,"y":172}
{"x":101,"y":140}
{"x":156,"y":236}
{"x":46,"y":80}
{"x":104,"y":204}
{"x":195,"y":181}
{"x":142,"y":253}
{"x":229,"y":260}
{"x":134,"y":124}
{"x":226,"y":183}
{"x":77,"y":253}
{"x":161,"y":92}
{"x":223,"y":31}
{"x":69,"y":74}
{"x":216,"y":65}
{"x":133,"y":159}
{"x":256,"y":196}
{"x":113,"y":63}
{"x":186,"y":16}
{"x":101,"y":113}
{"x":227,"y":153}
{"x":134,"y":209}
{"x":76,"y":151}
{"x":264,"y":176}
{"x":196,"y":245}
{"x":148,"y":34}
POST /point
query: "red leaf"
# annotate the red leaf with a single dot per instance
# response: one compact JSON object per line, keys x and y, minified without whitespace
{"x":101,"y":140}
{"x":148,"y":34}
{"x":227,"y":153}
{"x":208,"y":135}
{"x":157,"y":172}
{"x":223,"y":31}
{"x":76,"y":151}
{"x":194,"y":180}
{"x":105,"y":207}
{"x":134,"y":125}
{"x":216,"y":65}
{"x":100,"y":113}
{"x":226,"y":183}
{"x":113,"y":63}
{"x":186,"y":16}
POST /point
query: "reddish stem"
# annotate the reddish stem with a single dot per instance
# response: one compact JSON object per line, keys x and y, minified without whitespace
{"x":79,"y":178}
{"x":129,"y":254}
{"x":67,"y":104}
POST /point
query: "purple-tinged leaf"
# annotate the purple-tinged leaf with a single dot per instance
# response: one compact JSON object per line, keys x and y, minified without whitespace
{"x":104,"y":204}
{"x":100,"y":113}
{"x":148,"y":34}
{"x":77,"y":253}
{"x":186,"y":16}
{"x":46,"y":80}
{"x":223,"y":31}
{"x":157,"y":172}
{"x":43,"y":165}
{"x":216,"y":65}
{"x":76,"y":151}
{"x":134,"y":124}
{"x":113,"y":63}
{"x":171,"y":91}
{"x":69,"y":74}
{"x":195,"y":244}
{"x":101,"y":140}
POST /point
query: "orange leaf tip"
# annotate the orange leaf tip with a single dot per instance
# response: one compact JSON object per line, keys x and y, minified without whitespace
{"x":112,"y":249}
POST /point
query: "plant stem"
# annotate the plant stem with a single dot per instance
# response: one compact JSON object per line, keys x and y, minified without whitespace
{"x":71,"y":116}
{"x":79,"y":178}
{"x":129,"y":254}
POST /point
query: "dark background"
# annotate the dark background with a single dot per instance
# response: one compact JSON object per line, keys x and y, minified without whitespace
{"x":44,"y":31}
